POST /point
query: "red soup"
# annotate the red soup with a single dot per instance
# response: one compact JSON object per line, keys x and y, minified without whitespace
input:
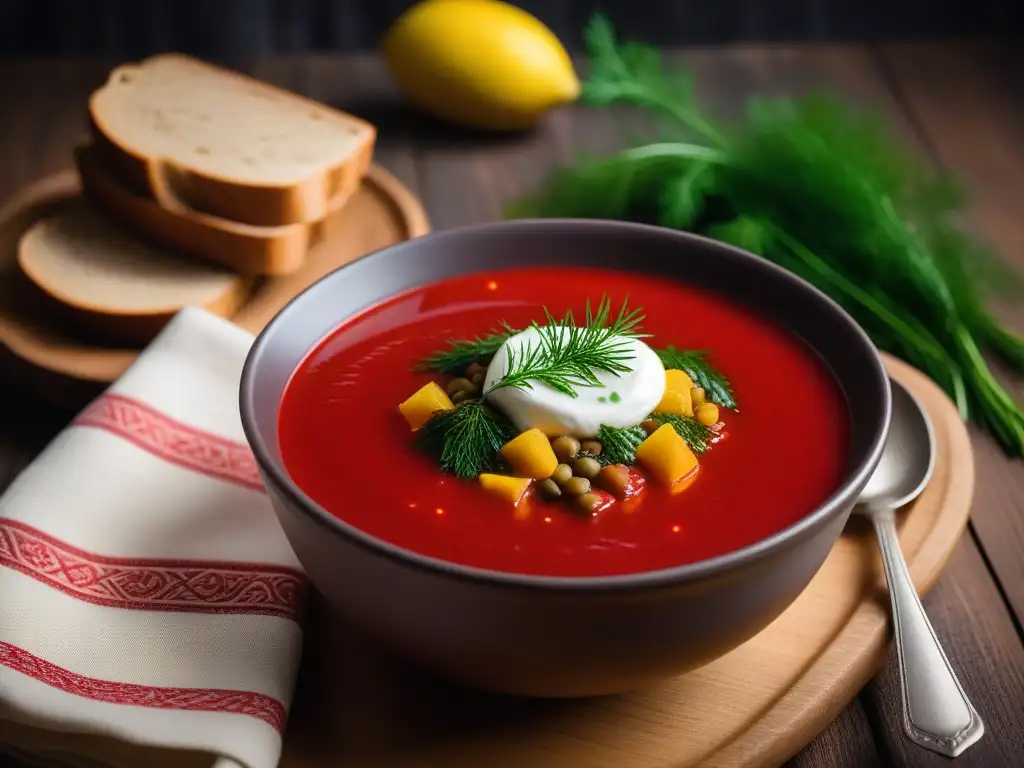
{"x":772,"y":458}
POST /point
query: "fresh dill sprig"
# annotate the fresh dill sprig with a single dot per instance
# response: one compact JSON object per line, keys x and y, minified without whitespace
{"x":461,"y":352}
{"x":825,"y":192}
{"x":694,"y":362}
{"x":632,"y":73}
{"x":696,"y":435}
{"x":466,"y":440}
{"x":619,"y":444}
{"x":567,"y":355}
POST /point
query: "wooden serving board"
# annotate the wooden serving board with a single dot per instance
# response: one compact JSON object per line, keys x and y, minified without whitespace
{"x":69,"y":368}
{"x":754,"y":708}
{"x":358,"y":706}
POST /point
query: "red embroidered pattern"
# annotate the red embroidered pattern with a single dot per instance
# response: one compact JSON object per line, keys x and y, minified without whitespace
{"x":152,"y":585}
{"x":173,"y":441}
{"x":255,"y":705}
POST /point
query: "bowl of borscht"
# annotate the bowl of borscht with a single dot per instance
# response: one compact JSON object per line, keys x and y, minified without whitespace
{"x":563,"y":458}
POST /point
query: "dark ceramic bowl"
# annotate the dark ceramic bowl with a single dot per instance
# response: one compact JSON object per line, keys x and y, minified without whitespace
{"x":547,"y":636}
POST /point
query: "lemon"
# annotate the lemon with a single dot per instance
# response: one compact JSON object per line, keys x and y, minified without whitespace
{"x":479,"y":63}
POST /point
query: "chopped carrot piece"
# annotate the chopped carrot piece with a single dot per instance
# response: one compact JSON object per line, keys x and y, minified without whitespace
{"x":424,"y":403}
{"x":666,"y":455}
{"x":530,"y":455}
{"x":676,"y":402}
{"x":678,"y":398}
{"x":678,"y":380}
{"x":510,"y":489}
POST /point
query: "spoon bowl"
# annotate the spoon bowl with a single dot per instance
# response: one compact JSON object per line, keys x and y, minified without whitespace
{"x":909,"y":457}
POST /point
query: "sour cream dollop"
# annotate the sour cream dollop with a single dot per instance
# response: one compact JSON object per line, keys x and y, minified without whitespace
{"x":625,"y":399}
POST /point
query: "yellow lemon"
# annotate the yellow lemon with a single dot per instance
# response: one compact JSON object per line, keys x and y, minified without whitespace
{"x":480,"y":63}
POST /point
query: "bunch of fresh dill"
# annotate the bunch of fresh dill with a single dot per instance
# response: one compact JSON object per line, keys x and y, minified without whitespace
{"x":466,"y":440}
{"x":821,"y":190}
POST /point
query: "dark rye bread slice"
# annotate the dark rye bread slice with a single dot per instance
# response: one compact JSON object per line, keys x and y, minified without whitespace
{"x":190,"y":134}
{"x":246,"y":248}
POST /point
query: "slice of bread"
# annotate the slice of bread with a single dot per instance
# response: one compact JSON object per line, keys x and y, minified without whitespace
{"x":245,"y":248}
{"x":118,"y":284}
{"x":186,"y":132}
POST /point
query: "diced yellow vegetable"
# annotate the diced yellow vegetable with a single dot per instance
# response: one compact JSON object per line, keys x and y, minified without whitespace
{"x":424,"y":403}
{"x":697,"y":396}
{"x":677,"y":402}
{"x":678,"y":380}
{"x":707,"y":414}
{"x":510,"y":489}
{"x":530,"y":455}
{"x":666,"y":455}
{"x":677,"y":398}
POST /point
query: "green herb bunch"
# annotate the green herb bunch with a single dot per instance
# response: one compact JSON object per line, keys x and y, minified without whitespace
{"x":466,"y":440}
{"x":821,"y":190}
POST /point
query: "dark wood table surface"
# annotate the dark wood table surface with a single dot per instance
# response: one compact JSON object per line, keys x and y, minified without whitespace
{"x":959,"y":102}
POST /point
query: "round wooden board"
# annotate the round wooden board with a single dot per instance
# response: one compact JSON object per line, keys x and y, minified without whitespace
{"x":754,"y":708}
{"x":381,"y":213}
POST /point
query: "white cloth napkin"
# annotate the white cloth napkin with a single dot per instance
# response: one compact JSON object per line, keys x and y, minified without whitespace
{"x":149,"y":601}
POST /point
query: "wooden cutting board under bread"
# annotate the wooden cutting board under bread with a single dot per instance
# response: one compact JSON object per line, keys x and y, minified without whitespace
{"x":196,"y":182}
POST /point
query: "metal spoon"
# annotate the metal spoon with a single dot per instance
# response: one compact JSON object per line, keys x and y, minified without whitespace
{"x":936,"y":712}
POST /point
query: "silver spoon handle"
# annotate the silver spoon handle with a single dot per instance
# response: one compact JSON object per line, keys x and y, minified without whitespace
{"x":936,"y":712}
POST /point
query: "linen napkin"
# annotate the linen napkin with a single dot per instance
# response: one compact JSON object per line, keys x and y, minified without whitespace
{"x":149,"y":601}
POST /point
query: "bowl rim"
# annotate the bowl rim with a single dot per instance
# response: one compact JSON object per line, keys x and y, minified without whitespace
{"x":662,"y":577}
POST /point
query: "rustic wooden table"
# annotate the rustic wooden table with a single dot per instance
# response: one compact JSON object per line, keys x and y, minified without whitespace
{"x":961,"y":103}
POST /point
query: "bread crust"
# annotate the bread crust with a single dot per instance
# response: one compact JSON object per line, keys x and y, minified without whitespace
{"x":174,"y":185}
{"x":248,"y":249}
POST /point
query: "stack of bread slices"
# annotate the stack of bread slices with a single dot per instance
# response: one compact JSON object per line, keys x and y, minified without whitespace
{"x":196,"y":181}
